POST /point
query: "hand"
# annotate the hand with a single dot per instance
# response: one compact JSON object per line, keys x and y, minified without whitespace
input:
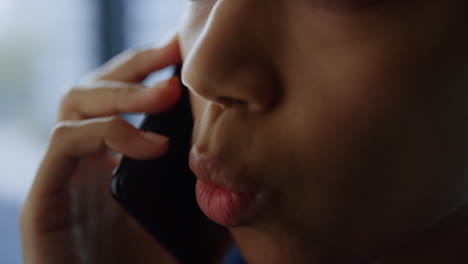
{"x":69,"y":215}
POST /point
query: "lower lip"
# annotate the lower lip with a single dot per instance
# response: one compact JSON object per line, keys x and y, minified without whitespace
{"x":225,"y":207}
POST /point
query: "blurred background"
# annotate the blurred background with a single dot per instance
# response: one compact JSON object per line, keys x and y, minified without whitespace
{"x":46,"y":45}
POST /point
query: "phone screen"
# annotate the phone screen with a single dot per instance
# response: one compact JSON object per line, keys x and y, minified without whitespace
{"x":160,"y":193}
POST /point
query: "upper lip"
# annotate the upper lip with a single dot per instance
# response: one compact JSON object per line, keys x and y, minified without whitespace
{"x":214,"y":170}
{"x":206,"y":158}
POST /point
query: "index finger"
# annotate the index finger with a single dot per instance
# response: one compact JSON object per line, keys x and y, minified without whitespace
{"x":135,"y":65}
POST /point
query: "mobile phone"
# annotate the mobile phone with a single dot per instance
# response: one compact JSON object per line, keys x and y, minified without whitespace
{"x":160,"y":193}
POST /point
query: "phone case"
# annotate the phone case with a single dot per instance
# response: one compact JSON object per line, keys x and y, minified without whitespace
{"x":160,"y":193}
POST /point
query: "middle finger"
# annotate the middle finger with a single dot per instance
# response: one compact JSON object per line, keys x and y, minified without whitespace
{"x":106,"y":98}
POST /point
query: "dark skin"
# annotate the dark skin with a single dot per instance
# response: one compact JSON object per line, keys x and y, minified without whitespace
{"x":368,"y":148}
{"x":367,"y":101}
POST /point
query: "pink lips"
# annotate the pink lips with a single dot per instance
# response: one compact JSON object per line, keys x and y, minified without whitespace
{"x":220,"y":195}
{"x":221,"y":205}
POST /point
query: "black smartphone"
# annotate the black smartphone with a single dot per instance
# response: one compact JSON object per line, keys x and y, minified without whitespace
{"x":160,"y":193}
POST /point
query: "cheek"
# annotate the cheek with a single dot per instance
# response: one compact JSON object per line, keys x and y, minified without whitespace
{"x":362,"y":137}
{"x":198,"y":106}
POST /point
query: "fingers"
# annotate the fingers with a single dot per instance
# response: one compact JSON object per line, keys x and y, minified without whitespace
{"x":106,"y":98}
{"x":74,"y":140}
{"x":88,"y":124}
{"x":135,"y":65}
{"x":114,"y":89}
{"x":83,"y":138}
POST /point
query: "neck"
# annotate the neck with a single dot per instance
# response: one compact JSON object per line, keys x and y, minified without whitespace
{"x":446,"y":242}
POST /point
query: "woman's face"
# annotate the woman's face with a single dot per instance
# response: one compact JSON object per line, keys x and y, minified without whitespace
{"x":349,"y":116}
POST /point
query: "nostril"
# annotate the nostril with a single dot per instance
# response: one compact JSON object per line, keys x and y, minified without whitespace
{"x":226,"y":102}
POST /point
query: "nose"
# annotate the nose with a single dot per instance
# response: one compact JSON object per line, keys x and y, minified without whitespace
{"x":231,"y":62}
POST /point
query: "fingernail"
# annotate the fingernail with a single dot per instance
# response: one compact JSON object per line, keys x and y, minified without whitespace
{"x":167,"y":84}
{"x":173,"y":81}
{"x":155,"y":138}
{"x":162,"y":86}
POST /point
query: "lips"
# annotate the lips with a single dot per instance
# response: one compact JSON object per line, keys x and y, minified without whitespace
{"x":223,"y":193}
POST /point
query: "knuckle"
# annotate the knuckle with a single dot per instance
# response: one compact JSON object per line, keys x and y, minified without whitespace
{"x":114,"y":126}
{"x":92,"y":76}
{"x":144,"y":155}
{"x":115,"y":121}
{"x":23,"y":217}
{"x":118,"y":94}
{"x":116,"y":131}
{"x":121,"y":94}
{"x":68,"y":98}
{"x":139,"y":52}
{"x":124,"y":90}
{"x":61,"y":130}
{"x":139,"y":55}
{"x":128,"y":57}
